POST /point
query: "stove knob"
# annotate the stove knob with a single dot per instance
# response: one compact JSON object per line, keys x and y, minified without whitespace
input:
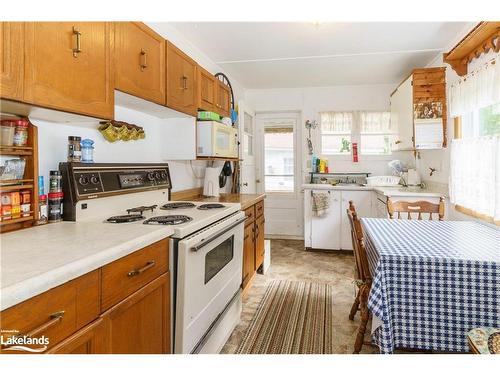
{"x":83,"y":180}
{"x":94,"y":180}
{"x":163,"y":175}
{"x":151,"y":176}
{"x":157,"y":175}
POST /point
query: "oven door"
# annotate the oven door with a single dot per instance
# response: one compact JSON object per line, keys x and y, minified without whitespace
{"x":208,"y":276}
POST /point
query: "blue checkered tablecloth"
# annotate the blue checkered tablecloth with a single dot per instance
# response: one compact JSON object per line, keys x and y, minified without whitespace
{"x":433,"y":281}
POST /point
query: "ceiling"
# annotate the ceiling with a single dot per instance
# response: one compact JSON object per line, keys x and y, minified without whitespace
{"x":300,"y":54}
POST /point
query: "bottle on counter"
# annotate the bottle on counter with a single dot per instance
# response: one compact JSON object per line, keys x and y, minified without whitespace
{"x":74,"y":149}
{"x":55,"y":197}
{"x":87,"y":151}
{"x":43,"y":215}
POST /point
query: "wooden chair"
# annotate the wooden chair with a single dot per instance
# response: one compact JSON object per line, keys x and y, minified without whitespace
{"x":419,"y":207}
{"x":364,"y":280}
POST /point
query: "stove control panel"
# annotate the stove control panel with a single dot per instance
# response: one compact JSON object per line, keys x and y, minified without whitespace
{"x":88,"y":182}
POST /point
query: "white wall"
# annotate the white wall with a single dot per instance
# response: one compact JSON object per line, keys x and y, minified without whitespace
{"x":310,"y":101}
{"x":53,"y":136}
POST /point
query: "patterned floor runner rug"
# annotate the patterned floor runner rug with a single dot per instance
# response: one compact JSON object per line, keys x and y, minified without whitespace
{"x":293,"y":318}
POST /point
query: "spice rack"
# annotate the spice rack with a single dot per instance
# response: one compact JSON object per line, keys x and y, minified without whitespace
{"x":29,"y":181}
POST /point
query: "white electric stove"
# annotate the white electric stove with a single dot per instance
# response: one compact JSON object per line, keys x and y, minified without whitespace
{"x":206,"y":247}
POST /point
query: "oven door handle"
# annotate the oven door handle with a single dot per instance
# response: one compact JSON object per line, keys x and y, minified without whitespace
{"x":213,"y":237}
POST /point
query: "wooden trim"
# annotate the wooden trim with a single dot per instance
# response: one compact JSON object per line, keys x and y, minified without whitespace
{"x":186,"y":194}
{"x":470,"y":212}
{"x":457,"y":127}
{"x":483,"y":38}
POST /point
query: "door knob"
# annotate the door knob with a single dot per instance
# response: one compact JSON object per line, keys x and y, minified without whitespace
{"x":245,"y":184}
{"x":257,"y":181}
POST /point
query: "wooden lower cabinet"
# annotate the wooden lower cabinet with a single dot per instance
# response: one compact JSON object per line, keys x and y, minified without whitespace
{"x":89,"y":340}
{"x":259,"y":241}
{"x":248,"y":255}
{"x":140,"y":324}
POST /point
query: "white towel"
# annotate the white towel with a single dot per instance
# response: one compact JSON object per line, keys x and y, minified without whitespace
{"x":320,"y":203}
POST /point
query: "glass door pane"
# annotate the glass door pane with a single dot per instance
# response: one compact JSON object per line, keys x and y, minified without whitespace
{"x":279,"y":159}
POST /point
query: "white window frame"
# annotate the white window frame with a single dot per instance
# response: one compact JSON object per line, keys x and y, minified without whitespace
{"x":355,"y":138}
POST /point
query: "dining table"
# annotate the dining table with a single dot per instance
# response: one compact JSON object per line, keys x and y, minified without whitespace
{"x":432,"y":282}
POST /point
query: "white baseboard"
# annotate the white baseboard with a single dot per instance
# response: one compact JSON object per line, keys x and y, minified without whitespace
{"x":283,"y":237}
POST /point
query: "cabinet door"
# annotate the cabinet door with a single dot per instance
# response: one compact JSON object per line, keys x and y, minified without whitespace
{"x":259,"y":241}
{"x":402,"y":115}
{"x":67,"y":67}
{"x":140,"y":324}
{"x":139,"y":61}
{"x":223,"y":99}
{"x":89,"y":340}
{"x":325,"y":230}
{"x":181,"y":81}
{"x":11,"y":60}
{"x":206,"y":90}
{"x":248,"y":254}
{"x":363,"y":202}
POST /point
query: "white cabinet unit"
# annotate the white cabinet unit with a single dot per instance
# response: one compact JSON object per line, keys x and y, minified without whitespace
{"x":332,"y":231}
{"x":402,"y":115}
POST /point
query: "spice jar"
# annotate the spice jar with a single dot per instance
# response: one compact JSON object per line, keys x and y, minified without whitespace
{"x":7,"y":130}
{"x":74,"y":149}
{"x":55,"y":182}
{"x":55,"y":207}
{"x":21,"y":133}
{"x":42,"y":210}
{"x":87,"y":151}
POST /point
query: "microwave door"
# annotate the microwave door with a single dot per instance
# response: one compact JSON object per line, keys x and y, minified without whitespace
{"x":222,"y":142}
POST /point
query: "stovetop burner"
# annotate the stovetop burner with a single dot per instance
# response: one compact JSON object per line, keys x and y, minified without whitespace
{"x":125,"y":218}
{"x":210,"y":206}
{"x":168,"y":220}
{"x":176,"y":205}
{"x":141,"y":209}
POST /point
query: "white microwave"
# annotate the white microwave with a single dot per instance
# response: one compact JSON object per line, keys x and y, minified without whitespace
{"x":216,"y":140}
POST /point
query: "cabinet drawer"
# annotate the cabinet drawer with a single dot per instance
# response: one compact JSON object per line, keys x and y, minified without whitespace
{"x":57,"y":313}
{"x":128,"y":274}
{"x":250,"y":214}
{"x":259,"y":209}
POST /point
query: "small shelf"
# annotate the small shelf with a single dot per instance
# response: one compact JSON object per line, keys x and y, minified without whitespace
{"x":217,"y":158}
{"x":15,"y":221}
{"x":7,"y":188}
{"x":16,"y":150}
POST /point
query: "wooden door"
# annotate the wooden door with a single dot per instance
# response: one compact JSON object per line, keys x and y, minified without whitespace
{"x":67,"y":67}
{"x":248,"y":254}
{"x":181,"y":81}
{"x":139,"y":61}
{"x":11,"y":60}
{"x":259,"y":241}
{"x":206,"y":90}
{"x":89,"y":340}
{"x":140,"y":324}
{"x":223,"y":103}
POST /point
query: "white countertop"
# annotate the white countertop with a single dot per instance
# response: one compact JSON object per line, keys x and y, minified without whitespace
{"x":396,"y":191}
{"x":35,"y":260}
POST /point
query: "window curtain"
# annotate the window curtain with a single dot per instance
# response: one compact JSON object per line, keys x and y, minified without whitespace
{"x":475,"y":175}
{"x":476,"y":90}
{"x":375,"y":122}
{"x":336,"y":122}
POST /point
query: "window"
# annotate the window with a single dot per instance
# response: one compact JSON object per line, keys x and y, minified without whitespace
{"x":376,"y":135}
{"x":372,"y":130}
{"x":248,"y":134}
{"x":278,"y":158}
{"x":482,"y":122}
{"x":336,"y":129}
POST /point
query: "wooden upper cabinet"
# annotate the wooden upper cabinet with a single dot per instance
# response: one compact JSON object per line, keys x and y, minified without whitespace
{"x":11,"y":60}
{"x":223,"y":99}
{"x":207,"y":90}
{"x":181,"y":81}
{"x":139,"y":60}
{"x":68,"y":67}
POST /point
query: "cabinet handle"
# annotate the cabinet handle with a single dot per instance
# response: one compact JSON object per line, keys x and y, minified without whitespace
{"x":148,"y":265}
{"x":55,"y":318}
{"x":78,"y":48}
{"x":184,"y":82}
{"x":144,"y":62}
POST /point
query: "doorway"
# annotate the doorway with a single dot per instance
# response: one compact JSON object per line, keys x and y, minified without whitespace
{"x":278,"y":172}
